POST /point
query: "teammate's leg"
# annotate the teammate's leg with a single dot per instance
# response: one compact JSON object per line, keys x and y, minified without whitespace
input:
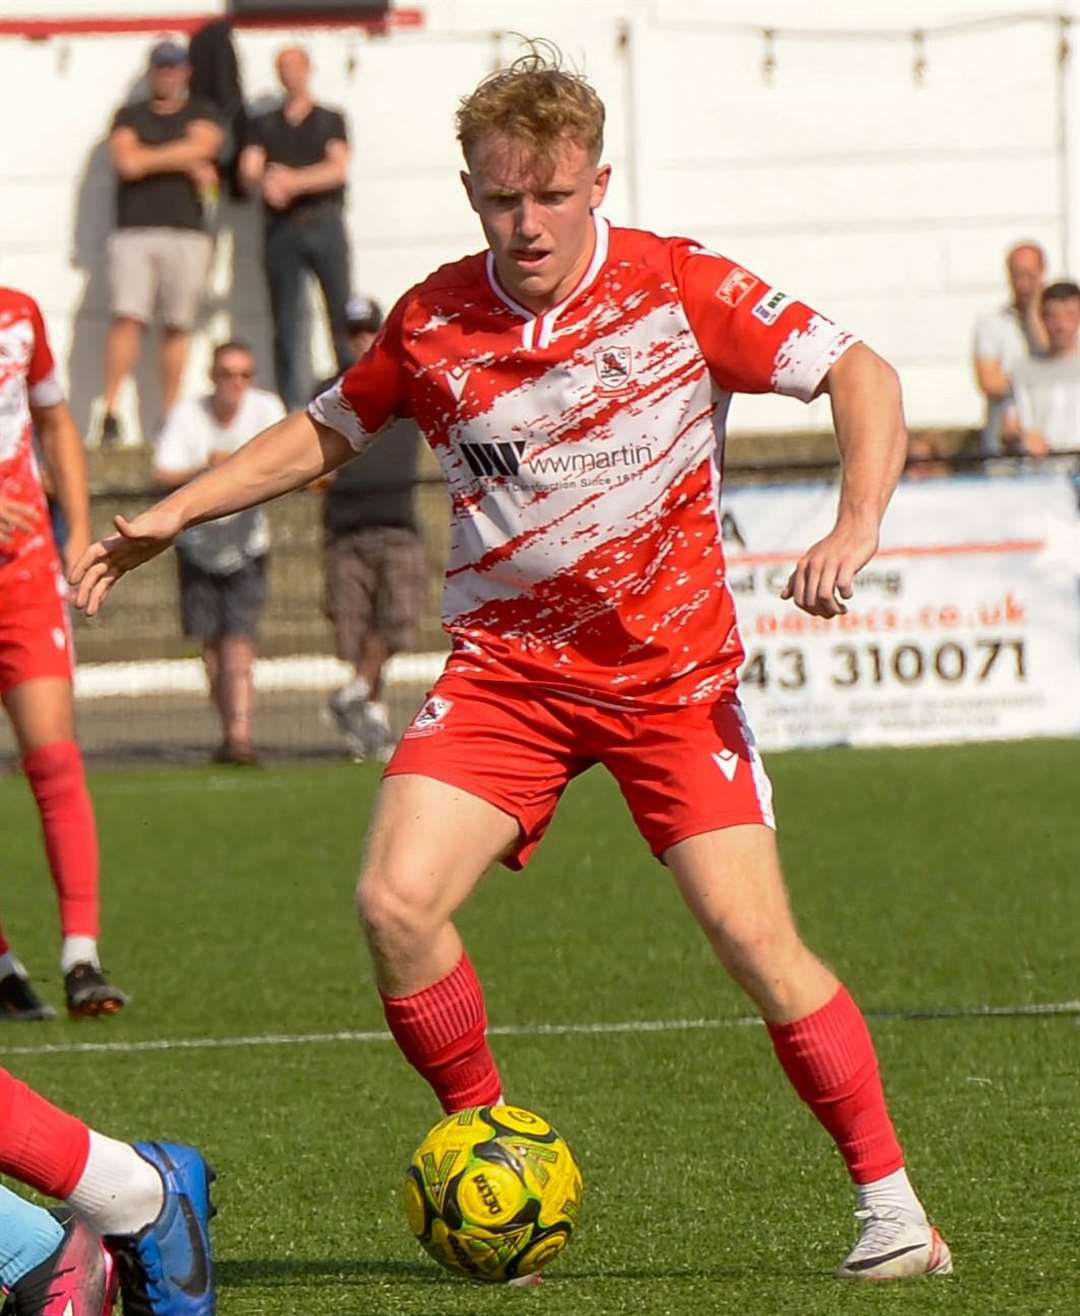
{"x":428,"y":846}
{"x":42,"y":716}
{"x":732,"y":882}
{"x":150,"y":1199}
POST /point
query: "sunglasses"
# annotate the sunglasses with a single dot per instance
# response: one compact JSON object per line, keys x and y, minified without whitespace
{"x":234,"y":374}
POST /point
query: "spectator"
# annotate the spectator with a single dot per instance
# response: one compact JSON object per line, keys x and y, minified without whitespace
{"x":1045,"y":414}
{"x":376,"y":576}
{"x":1005,"y":337}
{"x":926,"y":456}
{"x":164,"y":150}
{"x":222,"y":566}
{"x":298,"y":156}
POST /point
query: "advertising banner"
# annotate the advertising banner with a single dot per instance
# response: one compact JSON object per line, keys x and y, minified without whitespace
{"x":965,"y":626}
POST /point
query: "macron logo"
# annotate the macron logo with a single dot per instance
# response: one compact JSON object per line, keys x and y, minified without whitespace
{"x":456,"y":380}
{"x":727,"y":761}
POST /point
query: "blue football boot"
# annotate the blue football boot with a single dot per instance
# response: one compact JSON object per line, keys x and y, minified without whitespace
{"x":166,"y":1269}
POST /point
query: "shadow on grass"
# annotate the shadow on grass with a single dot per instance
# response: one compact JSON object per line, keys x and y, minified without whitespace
{"x":329,"y":1270}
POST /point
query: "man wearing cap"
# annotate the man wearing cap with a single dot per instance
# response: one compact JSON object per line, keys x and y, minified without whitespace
{"x":297,"y":159}
{"x":163,"y":150}
{"x":376,"y":574}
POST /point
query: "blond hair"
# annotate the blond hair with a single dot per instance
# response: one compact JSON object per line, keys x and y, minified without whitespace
{"x":538,"y":103}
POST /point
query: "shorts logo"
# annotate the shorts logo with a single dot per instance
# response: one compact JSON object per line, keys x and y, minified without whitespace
{"x":58,"y":637}
{"x":727,"y":761}
{"x":771,"y":306}
{"x":614,"y":366}
{"x":737,"y":283}
{"x":430,"y":718}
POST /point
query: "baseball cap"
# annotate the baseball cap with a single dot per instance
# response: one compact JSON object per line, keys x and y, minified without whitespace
{"x":363,"y":313}
{"x":168,"y":54}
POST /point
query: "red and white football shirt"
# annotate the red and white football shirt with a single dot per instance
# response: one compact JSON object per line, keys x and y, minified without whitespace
{"x":27,"y":375}
{"x":581,"y":450}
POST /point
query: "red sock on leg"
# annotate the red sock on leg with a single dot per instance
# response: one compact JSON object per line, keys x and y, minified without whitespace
{"x":40,"y":1144}
{"x":830,"y":1059}
{"x":55,"y":773}
{"x":440,"y":1031}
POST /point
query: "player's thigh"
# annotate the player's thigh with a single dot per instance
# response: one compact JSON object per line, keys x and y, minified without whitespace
{"x":428,"y":845}
{"x":132,"y":277}
{"x":36,"y":657}
{"x":41,"y":712}
{"x":686,"y":771}
{"x":183,"y":265}
{"x":733,"y":885}
{"x":499,"y":745}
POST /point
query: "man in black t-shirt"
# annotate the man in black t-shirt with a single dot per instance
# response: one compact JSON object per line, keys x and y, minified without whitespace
{"x":163,"y":150}
{"x":376,"y":573}
{"x":297,"y":157}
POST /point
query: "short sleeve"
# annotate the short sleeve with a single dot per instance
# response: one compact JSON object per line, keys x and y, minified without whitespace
{"x":987,"y":344}
{"x":1020,"y":406}
{"x":254,"y":134}
{"x":203,"y":109}
{"x":336,"y":130}
{"x":371,"y":392}
{"x":755,"y":338}
{"x":178,"y":448}
{"x":123,"y":118}
{"x":43,"y":388}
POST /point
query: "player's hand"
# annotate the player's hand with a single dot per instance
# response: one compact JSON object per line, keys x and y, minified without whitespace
{"x":823,"y":578}
{"x":103,"y":563}
{"x":75,"y":546}
{"x":16,"y":516}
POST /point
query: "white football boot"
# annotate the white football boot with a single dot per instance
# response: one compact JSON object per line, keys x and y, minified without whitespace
{"x":893,"y":1245}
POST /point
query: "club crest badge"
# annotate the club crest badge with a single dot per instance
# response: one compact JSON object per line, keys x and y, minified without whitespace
{"x":614,"y":366}
{"x":430,"y":718}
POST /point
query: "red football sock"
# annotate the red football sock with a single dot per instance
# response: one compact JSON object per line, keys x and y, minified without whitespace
{"x":440,"y":1031}
{"x":55,"y":773}
{"x":40,"y":1145}
{"x":830,"y":1059}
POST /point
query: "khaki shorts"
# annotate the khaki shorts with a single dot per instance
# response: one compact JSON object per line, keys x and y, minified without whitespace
{"x":376,"y":582}
{"x":147,"y":265}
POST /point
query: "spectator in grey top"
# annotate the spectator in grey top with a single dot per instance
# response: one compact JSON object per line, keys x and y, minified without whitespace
{"x":1044,"y":416}
{"x":1006,"y":337}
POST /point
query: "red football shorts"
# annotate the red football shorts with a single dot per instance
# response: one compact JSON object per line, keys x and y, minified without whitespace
{"x":35,"y":632}
{"x":682,"y":771}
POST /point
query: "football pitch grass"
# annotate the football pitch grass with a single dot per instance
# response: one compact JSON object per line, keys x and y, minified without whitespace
{"x":936,"y":881}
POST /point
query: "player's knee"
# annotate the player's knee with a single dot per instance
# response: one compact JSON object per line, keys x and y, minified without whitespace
{"x":390,"y":907}
{"x":753,"y":941}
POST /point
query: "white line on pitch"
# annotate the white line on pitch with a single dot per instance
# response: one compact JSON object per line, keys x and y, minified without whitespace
{"x":522,"y":1030}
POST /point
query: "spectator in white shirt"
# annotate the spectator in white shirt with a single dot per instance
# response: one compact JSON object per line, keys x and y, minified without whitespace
{"x":223,"y":563}
{"x":1045,"y":413}
{"x":1006,"y":337}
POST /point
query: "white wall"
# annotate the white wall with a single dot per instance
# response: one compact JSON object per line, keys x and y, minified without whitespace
{"x":885,"y":200}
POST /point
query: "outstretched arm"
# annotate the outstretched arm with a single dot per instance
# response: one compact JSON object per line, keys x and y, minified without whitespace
{"x":286,"y":456}
{"x":872,"y":438}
